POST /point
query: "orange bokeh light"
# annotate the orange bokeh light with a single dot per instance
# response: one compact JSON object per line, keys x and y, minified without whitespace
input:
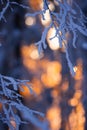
{"x":79,"y":70}
{"x":36,"y":4}
{"x":73,"y":102}
{"x":52,"y":76}
{"x":54,"y":117}
{"x":25,"y":92}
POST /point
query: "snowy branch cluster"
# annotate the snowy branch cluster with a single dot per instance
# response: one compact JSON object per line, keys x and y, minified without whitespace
{"x":12,"y":105}
{"x":10,"y":98}
{"x":69,"y":19}
{"x":8,"y":5}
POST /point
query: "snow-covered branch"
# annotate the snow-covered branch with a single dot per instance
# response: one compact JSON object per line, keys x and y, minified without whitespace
{"x":12,"y":103}
{"x":68,"y":20}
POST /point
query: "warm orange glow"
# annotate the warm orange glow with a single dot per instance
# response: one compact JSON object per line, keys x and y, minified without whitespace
{"x":37,"y":86}
{"x":78,"y":94}
{"x":52,"y":77}
{"x":36,"y":89}
{"x":54,"y":93}
{"x":79,"y":71}
{"x":78,"y":84}
{"x":36,"y":4}
{"x":0,"y":106}
{"x":81,"y":121}
{"x":73,"y":120}
{"x":73,"y":102}
{"x":30,"y":55}
{"x":77,"y":118}
{"x":30,"y":64}
{"x":35,"y":54}
{"x":78,"y":80}
{"x":54,"y":67}
{"x":26,"y":92}
{"x":80,"y":109}
{"x":25,"y":51}
{"x":48,"y":76}
{"x":31,"y":52}
{"x":53,"y":41}
{"x":51,"y":81}
{"x":54,"y":117}
{"x":76,"y":98}
{"x":52,"y":70}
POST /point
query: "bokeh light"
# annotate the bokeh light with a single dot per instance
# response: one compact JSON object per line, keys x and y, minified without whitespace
{"x":36,"y":4}
{"x":54,"y":91}
{"x":52,"y":77}
{"x":30,"y":21}
{"x":54,"y":117}
{"x":52,"y":39}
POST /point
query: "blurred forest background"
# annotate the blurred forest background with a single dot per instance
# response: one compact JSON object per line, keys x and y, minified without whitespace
{"x":60,"y":96}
